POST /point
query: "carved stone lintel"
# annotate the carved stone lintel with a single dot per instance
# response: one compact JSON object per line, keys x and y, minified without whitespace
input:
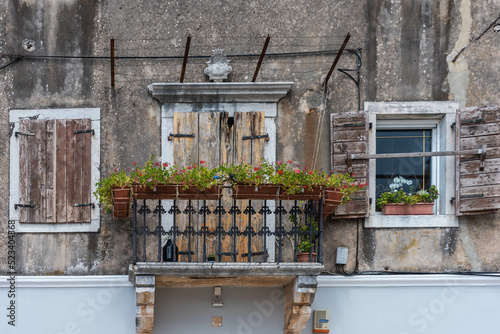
{"x":218,"y":66}
{"x":299,"y":295}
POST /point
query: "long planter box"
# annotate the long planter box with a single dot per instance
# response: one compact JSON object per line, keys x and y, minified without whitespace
{"x":274,"y":192}
{"x":176,"y":191}
{"x":405,"y":209}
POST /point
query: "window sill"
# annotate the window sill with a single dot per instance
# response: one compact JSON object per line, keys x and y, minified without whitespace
{"x":441,"y":221}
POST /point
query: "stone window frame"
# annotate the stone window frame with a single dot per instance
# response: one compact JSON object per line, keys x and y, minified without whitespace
{"x":438,"y":116}
{"x":74,"y":113}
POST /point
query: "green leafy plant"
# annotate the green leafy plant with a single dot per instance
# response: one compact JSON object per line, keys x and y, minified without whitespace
{"x":305,"y":242}
{"x":104,"y":187}
{"x":396,"y":194}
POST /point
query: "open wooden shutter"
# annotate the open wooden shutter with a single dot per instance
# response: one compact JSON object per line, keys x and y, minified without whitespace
{"x":349,"y":133}
{"x":478,"y":191}
{"x":54,"y":163}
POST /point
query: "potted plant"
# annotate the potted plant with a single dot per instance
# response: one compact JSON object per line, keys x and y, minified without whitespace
{"x":397,"y":201}
{"x":164,"y":181}
{"x":211,"y":258}
{"x":275,"y":181}
{"x":307,"y":234}
{"x":338,"y":190}
{"x":113,"y":191}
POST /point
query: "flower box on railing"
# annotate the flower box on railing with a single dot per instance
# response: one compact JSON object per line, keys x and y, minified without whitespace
{"x":121,"y":202}
{"x":275,"y":192}
{"x":176,"y":191}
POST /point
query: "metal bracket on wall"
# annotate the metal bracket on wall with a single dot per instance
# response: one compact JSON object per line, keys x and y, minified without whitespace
{"x":179,"y":135}
{"x":266,"y":136}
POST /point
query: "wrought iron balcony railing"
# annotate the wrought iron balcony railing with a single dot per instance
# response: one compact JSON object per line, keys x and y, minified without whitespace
{"x":240,"y":231}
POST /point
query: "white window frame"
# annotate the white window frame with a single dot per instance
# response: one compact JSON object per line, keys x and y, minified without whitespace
{"x":438,"y":116}
{"x":15,"y":116}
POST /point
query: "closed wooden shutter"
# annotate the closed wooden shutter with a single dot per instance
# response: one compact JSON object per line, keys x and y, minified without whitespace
{"x":349,"y":133}
{"x":478,"y":192}
{"x":54,"y":164}
{"x":218,"y":140}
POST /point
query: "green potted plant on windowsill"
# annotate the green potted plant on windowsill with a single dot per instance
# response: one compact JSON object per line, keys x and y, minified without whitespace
{"x":399,"y":202}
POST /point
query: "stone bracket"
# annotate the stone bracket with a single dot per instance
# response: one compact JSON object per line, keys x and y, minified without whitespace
{"x":299,"y":295}
{"x":144,"y":304}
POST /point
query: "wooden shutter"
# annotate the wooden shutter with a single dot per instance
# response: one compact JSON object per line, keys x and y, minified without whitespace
{"x":349,"y":133}
{"x":478,"y":192}
{"x":54,"y":167}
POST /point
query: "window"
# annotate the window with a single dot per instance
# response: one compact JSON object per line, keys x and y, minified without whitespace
{"x":413,"y":127}
{"x":54,"y":164}
{"x":415,"y":171}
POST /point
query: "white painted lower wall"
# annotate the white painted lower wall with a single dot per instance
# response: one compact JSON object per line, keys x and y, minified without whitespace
{"x":68,"y":305}
{"x":409,"y":304}
{"x":245,"y":311}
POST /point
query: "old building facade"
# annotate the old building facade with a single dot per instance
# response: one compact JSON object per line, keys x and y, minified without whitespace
{"x":105,"y":78}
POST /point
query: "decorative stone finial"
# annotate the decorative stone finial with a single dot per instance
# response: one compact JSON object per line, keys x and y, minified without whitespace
{"x":218,"y":66}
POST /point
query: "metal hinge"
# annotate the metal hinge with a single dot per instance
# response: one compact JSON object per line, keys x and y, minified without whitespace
{"x":19,"y":133}
{"x":85,"y":131}
{"x":472,"y":196}
{"x":179,"y":135}
{"x":84,"y":204}
{"x":472,"y":121}
{"x":266,"y":136}
{"x":23,"y":206}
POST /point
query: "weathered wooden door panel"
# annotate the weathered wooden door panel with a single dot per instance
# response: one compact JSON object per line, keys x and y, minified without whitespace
{"x":478,"y":191}
{"x":349,"y":133}
{"x":218,"y":139}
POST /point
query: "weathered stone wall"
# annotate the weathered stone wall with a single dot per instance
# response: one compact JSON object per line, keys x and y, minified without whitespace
{"x":407,"y":48}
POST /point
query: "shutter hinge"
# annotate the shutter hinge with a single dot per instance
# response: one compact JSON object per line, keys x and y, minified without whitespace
{"x":84,"y":204}
{"x":179,"y":135}
{"x":473,"y":121}
{"x":23,"y":206}
{"x":85,"y":131}
{"x":453,"y":125}
{"x":266,"y":136}
{"x":358,"y":198}
{"x":352,"y":125}
{"x":452,"y":200}
{"x":472,"y":196}
{"x":19,"y":133}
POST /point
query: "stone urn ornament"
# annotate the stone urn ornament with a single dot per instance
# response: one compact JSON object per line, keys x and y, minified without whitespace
{"x":218,"y":66}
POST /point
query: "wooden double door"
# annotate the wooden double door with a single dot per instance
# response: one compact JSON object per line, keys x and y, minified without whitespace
{"x":219,"y":138}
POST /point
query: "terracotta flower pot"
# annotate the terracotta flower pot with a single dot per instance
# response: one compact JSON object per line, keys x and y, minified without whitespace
{"x":406,"y":209}
{"x":256,"y":192}
{"x":121,"y":202}
{"x":333,"y":198}
{"x":312,"y":193}
{"x":176,"y":191}
{"x":304,"y":257}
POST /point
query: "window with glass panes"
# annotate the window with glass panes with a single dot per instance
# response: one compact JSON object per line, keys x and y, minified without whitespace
{"x":410,"y":174}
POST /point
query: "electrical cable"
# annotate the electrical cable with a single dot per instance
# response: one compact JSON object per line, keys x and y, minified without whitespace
{"x":12,"y":62}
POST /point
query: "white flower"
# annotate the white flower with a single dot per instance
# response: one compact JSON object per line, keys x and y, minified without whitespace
{"x":409,"y":182}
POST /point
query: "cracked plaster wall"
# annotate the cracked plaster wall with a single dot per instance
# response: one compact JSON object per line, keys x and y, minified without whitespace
{"x":406,"y":50}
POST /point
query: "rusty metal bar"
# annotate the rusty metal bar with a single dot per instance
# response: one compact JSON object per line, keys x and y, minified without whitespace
{"x":337,"y":58}
{"x":112,"y":51}
{"x":266,"y":43}
{"x":186,"y":53}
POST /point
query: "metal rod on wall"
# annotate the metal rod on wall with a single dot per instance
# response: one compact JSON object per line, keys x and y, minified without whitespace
{"x":266,"y":43}
{"x":184,"y":62}
{"x":337,"y":58}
